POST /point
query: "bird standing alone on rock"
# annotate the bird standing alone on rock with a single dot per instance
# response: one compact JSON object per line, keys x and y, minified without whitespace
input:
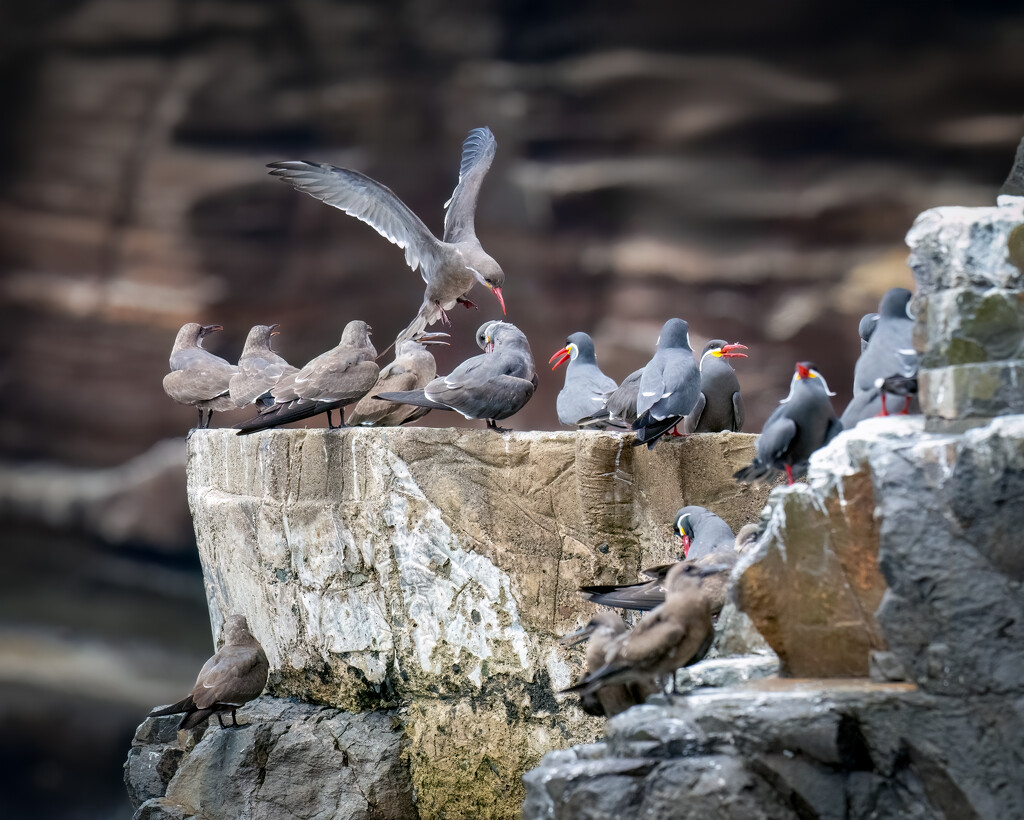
{"x":491,"y":386}
{"x":669,"y":386}
{"x":585,"y":384}
{"x":331,"y":381}
{"x":803,"y":422}
{"x":197,"y":376}
{"x":450,"y":266}
{"x":259,"y":367}
{"x":235,"y":675}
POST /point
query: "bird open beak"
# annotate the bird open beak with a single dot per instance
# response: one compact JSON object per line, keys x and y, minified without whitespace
{"x":207,"y":329}
{"x":730,"y":351}
{"x":500,"y":298}
{"x":274,"y":330}
{"x":433,"y":338}
{"x":577,"y":637}
{"x":562,"y":355}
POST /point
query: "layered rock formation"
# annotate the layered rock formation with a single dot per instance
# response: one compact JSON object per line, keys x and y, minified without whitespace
{"x":429,"y":572}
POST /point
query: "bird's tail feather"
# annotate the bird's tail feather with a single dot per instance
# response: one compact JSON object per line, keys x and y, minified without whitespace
{"x":757,"y":470}
{"x":183,"y":705}
{"x":649,"y":430}
{"x":616,"y":596}
{"x":413,"y":397}
{"x":283,"y":414}
{"x":193,"y":719}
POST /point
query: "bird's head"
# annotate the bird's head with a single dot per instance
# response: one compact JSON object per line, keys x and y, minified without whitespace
{"x":489,"y":274}
{"x":807,"y":372}
{"x":206,"y":330}
{"x":684,"y":529}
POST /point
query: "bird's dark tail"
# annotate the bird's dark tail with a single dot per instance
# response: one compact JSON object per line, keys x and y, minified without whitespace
{"x":649,"y":430}
{"x":756,"y":471}
{"x":183,"y":705}
{"x":595,"y":679}
{"x":617,"y":596}
{"x":193,"y":719}
{"x":414,"y":397}
{"x":602,"y":417}
{"x":283,"y":414}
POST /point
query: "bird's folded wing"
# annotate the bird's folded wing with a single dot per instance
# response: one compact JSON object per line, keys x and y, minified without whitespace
{"x":202,"y":382}
{"x":229,"y":676}
{"x":651,"y":639}
{"x":776,"y":438}
{"x":347,"y":383}
{"x":368,"y":201}
{"x":477,"y":154}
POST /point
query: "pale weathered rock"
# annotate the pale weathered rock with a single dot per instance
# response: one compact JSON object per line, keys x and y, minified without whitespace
{"x":1014,"y":184}
{"x":433,"y":570}
{"x":287,"y":760}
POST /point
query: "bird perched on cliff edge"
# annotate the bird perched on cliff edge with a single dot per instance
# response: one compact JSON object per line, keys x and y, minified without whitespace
{"x":331,"y":381}
{"x":491,"y":386}
{"x":669,"y":386}
{"x":259,"y":367}
{"x":413,"y":369}
{"x":803,"y":422}
{"x":675,"y":634}
{"x":609,"y":700}
{"x":197,"y":376}
{"x":585,"y":384}
{"x":449,"y":266}
{"x":235,"y":675}
{"x":719,"y":406}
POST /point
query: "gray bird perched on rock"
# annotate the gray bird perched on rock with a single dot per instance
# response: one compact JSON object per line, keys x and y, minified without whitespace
{"x":197,"y":376}
{"x":669,"y":386}
{"x":331,"y":381}
{"x":259,"y":367}
{"x":706,"y":540}
{"x":585,"y":384}
{"x":719,"y":406}
{"x":612,"y":699}
{"x":491,"y":386}
{"x":677,"y":633}
{"x":803,"y":422}
{"x":449,"y":266}
{"x":413,"y":369}
{"x":619,"y":405}
{"x":235,"y":675}
{"x":887,"y":354}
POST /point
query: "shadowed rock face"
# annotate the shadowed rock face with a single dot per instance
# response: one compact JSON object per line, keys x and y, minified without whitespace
{"x":432,"y":571}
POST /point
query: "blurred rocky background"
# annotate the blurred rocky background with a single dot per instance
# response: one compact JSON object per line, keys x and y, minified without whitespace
{"x":750,"y":167}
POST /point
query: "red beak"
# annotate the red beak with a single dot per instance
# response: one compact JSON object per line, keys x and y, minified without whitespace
{"x":501,"y":299}
{"x":802,"y":372}
{"x":729,"y":351}
{"x":686,"y":544}
{"x":565,"y":355}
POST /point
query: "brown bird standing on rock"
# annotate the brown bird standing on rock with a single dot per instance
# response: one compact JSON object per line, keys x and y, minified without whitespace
{"x":198,"y":377}
{"x":235,"y":675}
{"x":675,"y":634}
{"x":259,"y":367}
{"x":413,"y":369}
{"x":450,"y":266}
{"x":332,"y":380}
{"x":609,"y":700}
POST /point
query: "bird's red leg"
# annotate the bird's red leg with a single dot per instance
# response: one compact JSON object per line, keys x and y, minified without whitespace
{"x":906,"y":407}
{"x":467,"y":304}
{"x":789,"y":474}
{"x":885,"y":411}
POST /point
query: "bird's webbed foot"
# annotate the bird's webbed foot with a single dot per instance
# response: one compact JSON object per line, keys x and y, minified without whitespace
{"x":491,"y":425}
{"x":467,"y":304}
{"x":444,"y":316}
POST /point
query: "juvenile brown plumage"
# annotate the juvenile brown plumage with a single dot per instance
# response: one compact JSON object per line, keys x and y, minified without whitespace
{"x":259,"y":367}
{"x":198,"y":377}
{"x":235,"y":675}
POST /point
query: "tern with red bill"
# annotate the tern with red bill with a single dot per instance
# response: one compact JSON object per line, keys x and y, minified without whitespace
{"x":259,"y":368}
{"x":585,"y":384}
{"x":803,"y":422}
{"x":450,"y":266}
{"x":719,"y":406}
{"x":197,"y":376}
{"x":669,"y":386}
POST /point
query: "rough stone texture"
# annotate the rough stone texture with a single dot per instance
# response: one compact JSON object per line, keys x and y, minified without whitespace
{"x":287,"y":760}
{"x":793,"y":749}
{"x":811,"y":585}
{"x":970,"y":312}
{"x":1014,"y":185}
{"x":434,"y":569}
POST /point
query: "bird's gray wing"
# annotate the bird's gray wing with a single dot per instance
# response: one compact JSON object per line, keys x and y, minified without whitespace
{"x":477,"y":155}
{"x":776,"y":438}
{"x":495,"y":398}
{"x":204,"y":378}
{"x":693,"y":417}
{"x":230,"y":676}
{"x":368,"y":201}
{"x":739,"y":412}
{"x":652,"y":385}
{"x":371,"y":411}
{"x":345,"y":378}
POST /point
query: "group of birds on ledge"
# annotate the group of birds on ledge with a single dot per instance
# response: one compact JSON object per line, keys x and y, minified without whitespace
{"x":672,"y":390}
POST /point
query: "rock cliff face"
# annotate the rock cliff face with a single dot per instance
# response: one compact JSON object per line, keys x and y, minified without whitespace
{"x":429,"y":572}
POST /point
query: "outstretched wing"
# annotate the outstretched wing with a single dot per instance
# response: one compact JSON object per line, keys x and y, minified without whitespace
{"x":477,"y":155}
{"x":368,"y":201}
